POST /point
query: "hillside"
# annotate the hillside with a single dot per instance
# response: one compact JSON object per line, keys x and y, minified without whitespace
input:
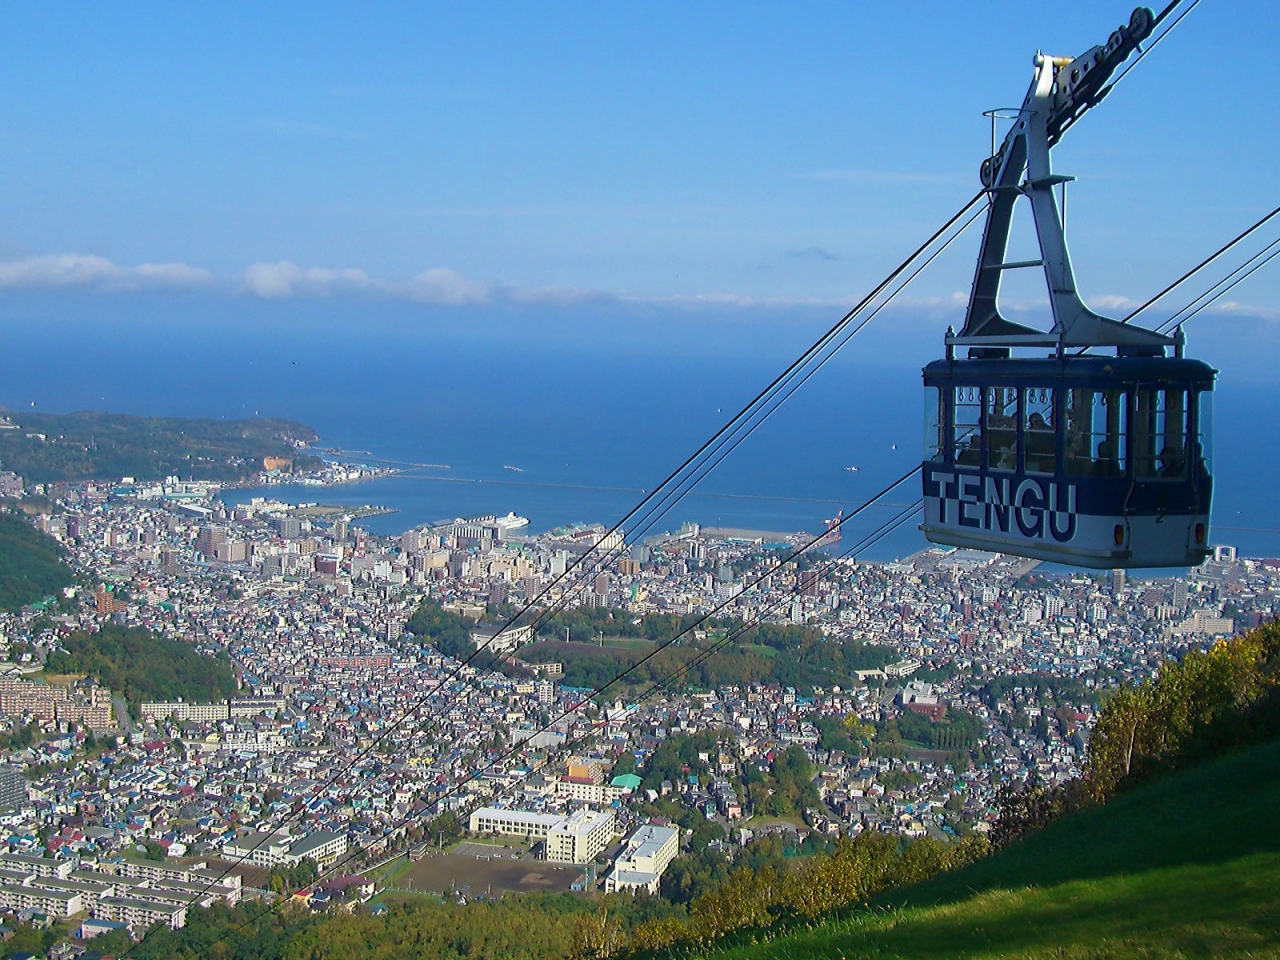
{"x":145,"y":666}
{"x":31,"y":566}
{"x":48,"y":447}
{"x":1186,"y":866}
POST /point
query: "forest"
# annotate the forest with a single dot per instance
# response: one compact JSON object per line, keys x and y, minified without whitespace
{"x":448,"y":632}
{"x":31,"y":566}
{"x":754,"y":655}
{"x":767,"y":653}
{"x":144,"y":666}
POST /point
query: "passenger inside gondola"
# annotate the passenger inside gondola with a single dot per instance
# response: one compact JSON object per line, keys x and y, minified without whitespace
{"x":1039,"y":444}
{"x":1172,"y":461}
{"x":1002,"y":428}
{"x":1106,"y":465}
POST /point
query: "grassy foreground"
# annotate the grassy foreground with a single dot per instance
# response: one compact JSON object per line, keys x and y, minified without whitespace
{"x":1185,"y":867}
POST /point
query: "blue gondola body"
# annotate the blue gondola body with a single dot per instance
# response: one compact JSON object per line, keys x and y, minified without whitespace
{"x":1092,"y":487}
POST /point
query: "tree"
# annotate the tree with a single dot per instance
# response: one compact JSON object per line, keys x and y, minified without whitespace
{"x":624,"y":764}
{"x":596,"y":936}
{"x":449,"y":633}
{"x":144,"y":665}
{"x":153,"y":851}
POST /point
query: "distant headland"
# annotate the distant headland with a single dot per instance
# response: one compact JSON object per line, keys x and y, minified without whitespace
{"x":89,"y":445}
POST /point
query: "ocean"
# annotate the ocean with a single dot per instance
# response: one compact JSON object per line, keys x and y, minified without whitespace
{"x":589,"y":421}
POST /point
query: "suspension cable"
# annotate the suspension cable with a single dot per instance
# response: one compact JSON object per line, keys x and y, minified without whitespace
{"x":1243,"y":276}
{"x":744,"y":417}
{"x":655,"y":687}
{"x":1203,"y":263}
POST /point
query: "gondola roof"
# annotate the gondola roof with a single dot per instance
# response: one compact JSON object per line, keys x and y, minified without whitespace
{"x":1095,"y":370}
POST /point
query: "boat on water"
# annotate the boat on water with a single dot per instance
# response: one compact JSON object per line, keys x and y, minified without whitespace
{"x":507,"y":466}
{"x":852,"y":469}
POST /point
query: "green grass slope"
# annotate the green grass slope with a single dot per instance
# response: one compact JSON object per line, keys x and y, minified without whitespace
{"x":1188,"y":866}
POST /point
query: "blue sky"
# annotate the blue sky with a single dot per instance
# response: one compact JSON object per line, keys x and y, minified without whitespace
{"x":708,"y":157}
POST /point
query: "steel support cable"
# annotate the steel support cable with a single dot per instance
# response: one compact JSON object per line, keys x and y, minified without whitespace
{"x":1202,"y":264}
{"x":702,"y":618}
{"x":1243,"y":276}
{"x":868,"y":541}
{"x":725,"y":431}
{"x":763,"y":414}
{"x":563,"y":601}
{"x":874,"y":537}
{"x":770,"y":404}
{"x":1212,"y":293}
{"x":726,"y":449}
{"x":655,"y":687}
{"x":658,"y":686}
{"x":734,"y":424}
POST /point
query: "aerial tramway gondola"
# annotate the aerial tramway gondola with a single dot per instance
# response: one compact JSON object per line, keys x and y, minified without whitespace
{"x":1081,"y":457}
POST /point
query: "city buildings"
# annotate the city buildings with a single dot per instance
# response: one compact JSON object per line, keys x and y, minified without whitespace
{"x":357,"y":733}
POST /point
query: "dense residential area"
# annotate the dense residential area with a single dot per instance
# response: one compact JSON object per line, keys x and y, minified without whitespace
{"x":363,"y":722}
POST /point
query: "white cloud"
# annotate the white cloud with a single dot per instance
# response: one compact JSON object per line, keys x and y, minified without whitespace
{"x":1111,"y":301}
{"x":287,"y":279}
{"x":555,"y":296}
{"x":1233,"y":309}
{"x":735,"y":300}
{"x":85,"y":270}
{"x":440,"y":285}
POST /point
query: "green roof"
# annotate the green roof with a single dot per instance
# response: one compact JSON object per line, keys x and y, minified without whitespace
{"x":628,"y":781}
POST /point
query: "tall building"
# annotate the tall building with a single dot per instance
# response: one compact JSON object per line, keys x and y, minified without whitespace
{"x":290,"y":527}
{"x":1117,"y":582}
{"x":13,"y":787}
{"x":809,"y":581}
{"x":1180,"y":594}
{"x":209,"y":539}
{"x":168,"y":561}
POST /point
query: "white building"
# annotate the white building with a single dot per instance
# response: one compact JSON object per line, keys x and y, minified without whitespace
{"x":581,"y":836}
{"x":1205,"y":623}
{"x":576,"y":838}
{"x":283,"y":849}
{"x":54,"y":903}
{"x":141,"y":914}
{"x":492,"y":640}
{"x":644,"y":859}
{"x":513,"y":823}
